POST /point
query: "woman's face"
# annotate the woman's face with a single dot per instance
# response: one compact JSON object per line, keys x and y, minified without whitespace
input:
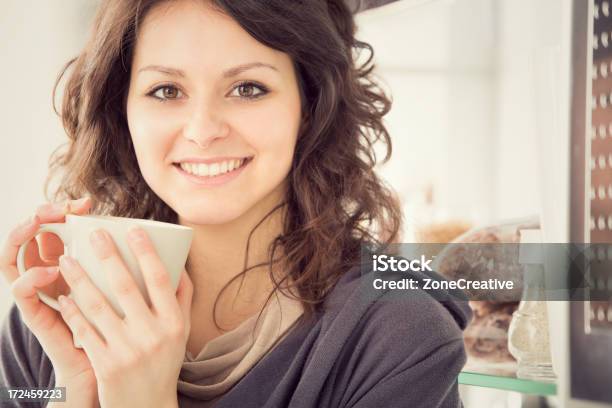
{"x":213,"y":114}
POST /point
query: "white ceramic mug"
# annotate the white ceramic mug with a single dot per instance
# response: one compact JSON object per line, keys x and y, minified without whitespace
{"x":171,"y":241}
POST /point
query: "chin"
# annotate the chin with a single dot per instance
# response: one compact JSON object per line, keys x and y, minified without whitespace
{"x":216,"y":210}
{"x":201,"y":215}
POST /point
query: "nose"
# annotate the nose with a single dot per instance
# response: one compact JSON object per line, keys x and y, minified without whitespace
{"x":204,"y":126}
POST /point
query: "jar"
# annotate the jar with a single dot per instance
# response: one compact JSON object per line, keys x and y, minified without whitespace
{"x":528,"y":336}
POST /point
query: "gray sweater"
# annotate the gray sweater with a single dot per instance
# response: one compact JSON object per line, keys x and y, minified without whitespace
{"x":365,"y":348}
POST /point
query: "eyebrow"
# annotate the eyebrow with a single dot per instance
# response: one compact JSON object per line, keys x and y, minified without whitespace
{"x":228,"y":73}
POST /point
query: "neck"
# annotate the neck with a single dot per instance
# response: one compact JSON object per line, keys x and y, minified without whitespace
{"x":218,"y":254}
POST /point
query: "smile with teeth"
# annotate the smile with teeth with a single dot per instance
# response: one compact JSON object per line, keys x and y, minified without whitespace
{"x":212,"y":169}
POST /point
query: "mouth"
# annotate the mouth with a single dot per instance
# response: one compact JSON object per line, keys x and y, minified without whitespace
{"x":215,"y":169}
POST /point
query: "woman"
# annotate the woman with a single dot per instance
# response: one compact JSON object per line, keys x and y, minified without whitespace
{"x":249,"y":122}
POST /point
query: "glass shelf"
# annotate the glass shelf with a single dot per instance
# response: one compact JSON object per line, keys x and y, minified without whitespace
{"x":504,"y":379}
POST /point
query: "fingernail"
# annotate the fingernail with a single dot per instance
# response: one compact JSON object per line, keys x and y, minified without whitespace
{"x":98,"y":237}
{"x":66,"y":262}
{"x":80,"y":202}
{"x":63,"y":301}
{"x":136,"y":234}
{"x":51,"y":210}
{"x":66,"y":208}
{"x":52,"y":270}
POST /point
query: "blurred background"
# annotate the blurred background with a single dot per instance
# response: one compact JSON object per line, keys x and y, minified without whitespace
{"x":480,"y":124}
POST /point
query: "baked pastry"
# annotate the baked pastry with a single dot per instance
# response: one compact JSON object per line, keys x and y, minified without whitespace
{"x":482,"y":254}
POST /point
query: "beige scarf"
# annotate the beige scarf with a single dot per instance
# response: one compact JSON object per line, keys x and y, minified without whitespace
{"x":226,"y":359}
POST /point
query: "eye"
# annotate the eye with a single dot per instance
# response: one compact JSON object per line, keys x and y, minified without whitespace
{"x":165,"y":92}
{"x":247,"y":90}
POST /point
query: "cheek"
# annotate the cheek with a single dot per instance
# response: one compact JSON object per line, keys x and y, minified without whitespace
{"x":152,"y":135}
{"x":272,"y":132}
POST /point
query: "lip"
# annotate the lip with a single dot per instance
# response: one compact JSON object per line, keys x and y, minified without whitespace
{"x":211,"y":160}
{"x":208,"y":181}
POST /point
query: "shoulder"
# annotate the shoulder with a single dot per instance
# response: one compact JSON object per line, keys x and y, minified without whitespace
{"x":382,"y":340}
{"x":15,"y":338}
{"x":411,"y":322}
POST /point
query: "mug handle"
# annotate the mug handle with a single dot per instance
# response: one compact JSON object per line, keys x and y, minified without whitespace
{"x":63,"y":233}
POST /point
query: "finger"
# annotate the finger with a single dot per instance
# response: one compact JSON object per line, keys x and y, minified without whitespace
{"x":184,"y":295}
{"x":56,"y":212}
{"x":121,"y":280}
{"x":82,"y":331}
{"x":43,"y":321}
{"x":17,"y":237}
{"x":26,"y":231}
{"x":93,"y":303}
{"x":156,"y":277}
{"x":32,"y":259}
{"x":51,"y":247}
{"x":80,"y":206}
{"x":24,"y":290}
{"x":32,"y":256}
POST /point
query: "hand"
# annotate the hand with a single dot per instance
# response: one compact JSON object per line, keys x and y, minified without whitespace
{"x":71,"y":366}
{"x":137,"y":359}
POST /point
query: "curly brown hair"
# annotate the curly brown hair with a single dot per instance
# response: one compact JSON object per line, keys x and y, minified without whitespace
{"x":335,"y":202}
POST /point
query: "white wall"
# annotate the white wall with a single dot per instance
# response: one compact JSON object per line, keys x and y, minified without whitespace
{"x":474,"y":109}
{"x":439,"y":59}
{"x":36,"y":39}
